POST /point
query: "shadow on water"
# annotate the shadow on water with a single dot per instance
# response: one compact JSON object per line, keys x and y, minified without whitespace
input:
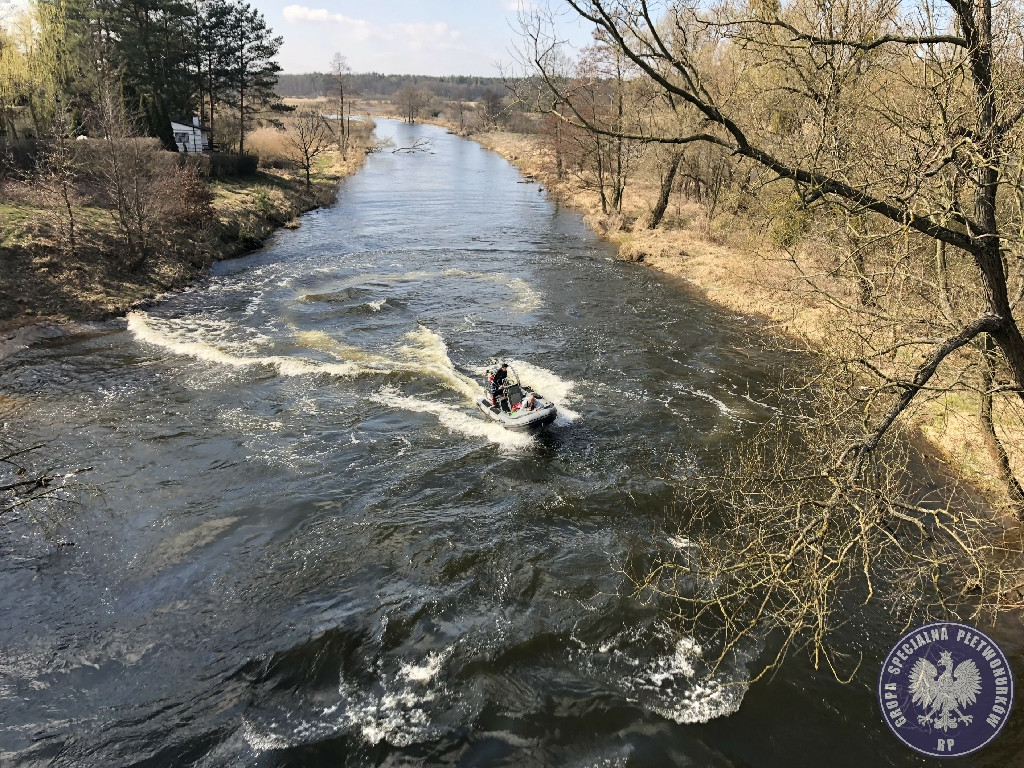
{"x":311,"y":549}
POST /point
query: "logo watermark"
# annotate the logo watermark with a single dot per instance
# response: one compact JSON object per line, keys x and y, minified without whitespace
{"x":946,"y":689}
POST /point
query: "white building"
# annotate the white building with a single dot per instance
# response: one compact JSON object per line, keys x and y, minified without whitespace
{"x":191,"y":138}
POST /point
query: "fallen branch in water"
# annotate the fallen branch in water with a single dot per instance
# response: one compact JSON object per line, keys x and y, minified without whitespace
{"x":32,"y":492}
{"x":419,"y":145}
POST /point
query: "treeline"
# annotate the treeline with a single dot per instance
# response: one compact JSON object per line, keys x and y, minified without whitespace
{"x":163,"y":59}
{"x":373,"y":85}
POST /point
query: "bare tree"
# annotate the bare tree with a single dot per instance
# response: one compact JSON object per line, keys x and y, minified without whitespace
{"x":948,"y":185}
{"x":128,"y":167}
{"x":457,"y":114}
{"x":58,"y":176}
{"x":410,"y":100}
{"x":339,"y":71}
{"x":905,"y":129}
{"x":493,"y":103}
{"x":310,"y":137}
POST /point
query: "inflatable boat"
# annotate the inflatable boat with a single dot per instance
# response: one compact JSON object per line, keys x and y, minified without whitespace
{"x":515,"y":406}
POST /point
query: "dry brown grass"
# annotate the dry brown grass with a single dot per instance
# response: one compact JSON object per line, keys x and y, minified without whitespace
{"x":269,"y":143}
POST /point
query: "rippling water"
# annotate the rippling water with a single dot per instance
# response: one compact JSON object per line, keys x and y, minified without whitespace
{"x":304,"y":546}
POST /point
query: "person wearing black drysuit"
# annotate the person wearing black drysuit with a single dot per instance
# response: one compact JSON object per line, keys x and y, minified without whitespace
{"x":496,"y":381}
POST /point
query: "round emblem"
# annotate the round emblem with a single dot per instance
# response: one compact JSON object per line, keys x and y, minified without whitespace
{"x":946,"y":689}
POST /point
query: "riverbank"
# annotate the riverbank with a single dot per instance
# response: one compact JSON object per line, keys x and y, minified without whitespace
{"x":741,"y":271}
{"x":41,"y":284}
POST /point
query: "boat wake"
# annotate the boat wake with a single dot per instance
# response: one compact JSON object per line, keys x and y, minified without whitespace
{"x":421,"y":353}
{"x":554,"y":388}
{"x":455,"y":420}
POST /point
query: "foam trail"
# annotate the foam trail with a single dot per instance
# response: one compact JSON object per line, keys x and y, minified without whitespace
{"x":551,"y":386}
{"x":426,"y":354}
{"x":725,"y":409}
{"x":147,"y":330}
{"x":526,"y":298}
{"x":677,"y":684}
{"x":455,"y":420}
{"x":369,"y":362}
{"x":425,"y":672}
{"x":702,"y":698}
{"x":432,"y":353}
{"x":388,"y":278}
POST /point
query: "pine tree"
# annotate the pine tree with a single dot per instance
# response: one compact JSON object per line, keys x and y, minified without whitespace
{"x":252,"y":72}
{"x":214,"y":59}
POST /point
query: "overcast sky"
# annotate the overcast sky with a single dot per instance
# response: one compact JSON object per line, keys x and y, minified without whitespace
{"x":423,"y":37}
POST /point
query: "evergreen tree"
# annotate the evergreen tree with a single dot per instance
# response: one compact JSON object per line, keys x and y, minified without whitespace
{"x":170,"y":58}
{"x":252,"y":72}
{"x":154,"y":52}
{"x":214,"y":58}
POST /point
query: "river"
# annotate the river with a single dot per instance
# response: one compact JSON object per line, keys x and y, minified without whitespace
{"x":300,"y":544}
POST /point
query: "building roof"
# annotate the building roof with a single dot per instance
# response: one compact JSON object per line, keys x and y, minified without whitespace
{"x":190,"y":125}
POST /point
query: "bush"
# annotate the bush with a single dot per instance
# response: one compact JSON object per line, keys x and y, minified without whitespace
{"x":185,"y":199}
{"x":788,"y":225}
{"x":271,"y":146}
{"x":223,"y":164}
{"x":19,"y":155}
{"x":198,"y":164}
{"x":92,"y":156}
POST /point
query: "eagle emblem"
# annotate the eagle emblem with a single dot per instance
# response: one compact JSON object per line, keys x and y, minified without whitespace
{"x":945,"y":695}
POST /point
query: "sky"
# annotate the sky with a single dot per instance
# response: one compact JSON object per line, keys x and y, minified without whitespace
{"x":423,"y":37}
{"x":396,"y":37}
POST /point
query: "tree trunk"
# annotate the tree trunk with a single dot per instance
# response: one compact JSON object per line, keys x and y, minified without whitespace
{"x":1007,"y":335}
{"x":942,"y":280}
{"x":666,"y":190}
{"x":600,"y":179}
{"x":866,"y":289}
{"x":65,"y":192}
{"x":241,"y":122}
{"x":995,"y":445}
{"x":559,"y":168}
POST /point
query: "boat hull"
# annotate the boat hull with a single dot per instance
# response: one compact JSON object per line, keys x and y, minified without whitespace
{"x":520,"y":421}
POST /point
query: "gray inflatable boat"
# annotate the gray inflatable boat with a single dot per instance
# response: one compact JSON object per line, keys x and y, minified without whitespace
{"x":515,"y":406}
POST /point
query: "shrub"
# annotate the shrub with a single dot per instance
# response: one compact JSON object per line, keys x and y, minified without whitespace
{"x":789,"y":223}
{"x":223,"y":164}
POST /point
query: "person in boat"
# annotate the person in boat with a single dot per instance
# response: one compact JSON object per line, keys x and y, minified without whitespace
{"x":497,"y":381}
{"x":530,"y":403}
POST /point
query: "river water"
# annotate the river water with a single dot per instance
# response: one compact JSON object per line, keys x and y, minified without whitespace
{"x":301,"y":545}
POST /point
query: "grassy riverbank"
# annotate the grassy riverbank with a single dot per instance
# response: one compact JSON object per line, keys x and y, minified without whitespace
{"x":735,"y":265}
{"x":41,"y":282}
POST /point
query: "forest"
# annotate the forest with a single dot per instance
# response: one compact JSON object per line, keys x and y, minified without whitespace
{"x":164,"y":60}
{"x":373,"y":85}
